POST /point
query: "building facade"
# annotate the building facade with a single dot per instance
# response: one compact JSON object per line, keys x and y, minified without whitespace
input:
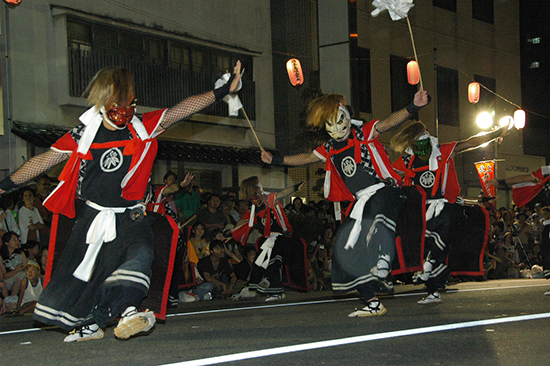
{"x":457,"y":42}
{"x":51,"y":49}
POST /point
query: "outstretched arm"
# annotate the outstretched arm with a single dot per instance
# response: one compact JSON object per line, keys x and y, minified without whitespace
{"x":290,"y":160}
{"x":524,"y":178}
{"x":196,"y":103}
{"x":476,"y":141}
{"x":421,"y":99}
{"x":288,"y":191}
{"x":32,"y":168}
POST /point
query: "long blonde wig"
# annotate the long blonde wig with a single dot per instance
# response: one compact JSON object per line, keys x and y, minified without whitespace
{"x":249,"y":187}
{"x":110,"y":86}
{"x":323,"y":108}
{"x":405,"y":138}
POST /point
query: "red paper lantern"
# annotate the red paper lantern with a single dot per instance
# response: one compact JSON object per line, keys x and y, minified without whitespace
{"x":413,"y":72}
{"x":12,"y":2}
{"x":294,"y":69}
{"x":473,"y":92}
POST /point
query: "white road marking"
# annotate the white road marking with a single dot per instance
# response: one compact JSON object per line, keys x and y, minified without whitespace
{"x":357,"y":339}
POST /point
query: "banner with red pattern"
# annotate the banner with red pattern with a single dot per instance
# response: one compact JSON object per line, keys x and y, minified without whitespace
{"x":486,"y":171}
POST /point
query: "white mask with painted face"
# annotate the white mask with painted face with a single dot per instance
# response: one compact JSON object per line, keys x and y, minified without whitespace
{"x":339,"y":127}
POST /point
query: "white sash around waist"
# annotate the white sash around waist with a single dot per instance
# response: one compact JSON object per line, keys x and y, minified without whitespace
{"x":102,"y":229}
{"x":357,"y":212}
{"x":267,"y":247}
{"x":435,"y":206}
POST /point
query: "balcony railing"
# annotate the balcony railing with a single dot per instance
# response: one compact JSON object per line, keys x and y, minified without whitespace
{"x":157,"y":86}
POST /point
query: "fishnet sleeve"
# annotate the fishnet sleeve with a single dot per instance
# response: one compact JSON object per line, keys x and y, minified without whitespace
{"x":37,"y":165}
{"x":186,"y":108}
{"x":301,"y":159}
{"x":394,"y":120}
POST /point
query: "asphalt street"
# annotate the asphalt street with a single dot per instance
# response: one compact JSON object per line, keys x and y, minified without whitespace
{"x":499,"y":322}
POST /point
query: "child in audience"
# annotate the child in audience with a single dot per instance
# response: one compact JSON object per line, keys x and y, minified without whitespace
{"x":31,"y":288}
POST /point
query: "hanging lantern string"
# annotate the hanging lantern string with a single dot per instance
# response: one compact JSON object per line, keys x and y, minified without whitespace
{"x":490,"y":91}
{"x":415,"y":55}
{"x":503,"y":98}
{"x":252,"y":128}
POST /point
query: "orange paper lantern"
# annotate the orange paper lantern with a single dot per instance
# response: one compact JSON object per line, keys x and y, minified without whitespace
{"x":12,"y":2}
{"x":473,"y":92}
{"x":294,"y":69}
{"x":519,"y":119}
{"x":413,"y":72}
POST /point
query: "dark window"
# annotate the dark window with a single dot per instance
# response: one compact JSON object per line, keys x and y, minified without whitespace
{"x":79,"y":36}
{"x":131,"y":46}
{"x":447,"y":96}
{"x":197,"y":61}
{"x":483,"y":10}
{"x":486,"y":99}
{"x":222,"y":64}
{"x":155,"y":50}
{"x":360,"y":78}
{"x":180,"y":56}
{"x":402,"y":93}
{"x":105,"y":40}
{"x":446,"y":4}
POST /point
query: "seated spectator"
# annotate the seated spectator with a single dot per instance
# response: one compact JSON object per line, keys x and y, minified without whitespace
{"x":506,"y":268}
{"x":496,"y":237}
{"x":490,"y":263}
{"x":216,"y":269}
{"x":31,"y":288}
{"x":212,"y":216}
{"x":227,"y":207}
{"x":243,"y":269}
{"x":320,"y":265}
{"x":523,"y":231}
{"x":536,"y":228}
{"x":43,"y":185}
{"x":7,"y":220}
{"x":43,"y":262}
{"x":30,"y":221}
{"x":3,"y":293}
{"x":32,"y":250}
{"x":231,"y":247}
{"x":12,"y":264}
{"x":240,"y":209}
{"x":298,"y":206}
{"x":198,"y":241}
{"x":164,"y":199}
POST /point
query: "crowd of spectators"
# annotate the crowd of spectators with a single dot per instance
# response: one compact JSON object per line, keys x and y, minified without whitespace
{"x":24,"y":230}
{"x":214,"y":265}
{"x":514,"y":247}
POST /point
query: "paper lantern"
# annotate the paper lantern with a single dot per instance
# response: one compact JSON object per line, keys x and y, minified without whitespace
{"x":519,"y":119}
{"x":12,"y":2}
{"x":413,"y":72}
{"x":294,"y":70}
{"x":473,"y":92}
